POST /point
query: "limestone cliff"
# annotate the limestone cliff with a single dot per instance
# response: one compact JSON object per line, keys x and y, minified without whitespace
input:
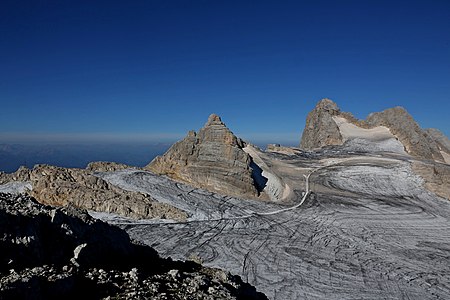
{"x":442,"y":142}
{"x":212,"y":159}
{"x":402,"y":125}
{"x":320,"y":129}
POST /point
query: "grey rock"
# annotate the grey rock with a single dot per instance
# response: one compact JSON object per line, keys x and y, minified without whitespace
{"x":212,"y":159}
{"x":442,"y":142}
{"x":22,"y":174}
{"x":436,"y":176}
{"x":103,"y":166}
{"x":320,"y":129}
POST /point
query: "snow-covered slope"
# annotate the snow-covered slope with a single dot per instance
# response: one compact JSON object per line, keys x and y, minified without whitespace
{"x":374,"y":139}
{"x":369,"y":230}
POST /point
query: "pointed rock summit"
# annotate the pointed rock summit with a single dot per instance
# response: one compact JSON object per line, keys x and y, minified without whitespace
{"x":321,"y":130}
{"x":212,"y":159}
{"x":393,"y":129}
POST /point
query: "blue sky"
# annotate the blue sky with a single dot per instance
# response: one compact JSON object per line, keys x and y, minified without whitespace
{"x":93,"y":70}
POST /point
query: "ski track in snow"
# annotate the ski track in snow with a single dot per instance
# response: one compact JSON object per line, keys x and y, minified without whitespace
{"x":368,"y":231}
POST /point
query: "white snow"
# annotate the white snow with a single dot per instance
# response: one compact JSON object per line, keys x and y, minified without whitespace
{"x":15,"y":187}
{"x":378,"y":138}
{"x":275,"y":187}
{"x":369,"y":216}
{"x":446,"y":157}
{"x":199,"y":204}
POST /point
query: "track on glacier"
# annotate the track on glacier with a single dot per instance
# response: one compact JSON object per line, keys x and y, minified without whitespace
{"x":366,"y":229}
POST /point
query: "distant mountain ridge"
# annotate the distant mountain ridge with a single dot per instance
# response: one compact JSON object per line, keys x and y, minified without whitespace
{"x":327,"y":125}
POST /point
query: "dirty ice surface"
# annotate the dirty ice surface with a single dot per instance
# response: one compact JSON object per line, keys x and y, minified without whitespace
{"x":369,"y":230}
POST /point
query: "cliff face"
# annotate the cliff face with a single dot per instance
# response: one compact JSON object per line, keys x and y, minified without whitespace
{"x":442,"y":142}
{"x":402,"y":125}
{"x":212,"y":159}
{"x":320,"y":129}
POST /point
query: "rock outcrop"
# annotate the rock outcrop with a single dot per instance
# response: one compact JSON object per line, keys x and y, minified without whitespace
{"x":78,"y":187}
{"x":320,"y":129}
{"x":435,"y":175}
{"x":442,"y":142}
{"x":212,"y":159}
{"x":106,"y":166}
{"x":56,"y":253}
{"x":402,"y":125}
{"x":22,"y":174}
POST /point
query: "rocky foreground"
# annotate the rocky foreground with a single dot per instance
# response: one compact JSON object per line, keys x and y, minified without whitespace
{"x":54,"y":253}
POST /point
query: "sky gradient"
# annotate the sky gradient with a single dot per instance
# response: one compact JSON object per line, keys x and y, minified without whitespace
{"x":134,"y":70}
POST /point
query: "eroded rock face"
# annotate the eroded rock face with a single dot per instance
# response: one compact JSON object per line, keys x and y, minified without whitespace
{"x":212,"y":159}
{"x":63,"y":186}
{"x":106,"y":166}
{"x":435,"y":175}
{"x":22,"y":174}
{"x":52,"y":253}
{"x":320,"y":129}
{"x":442,"y":142}
{"x":403,"y":126}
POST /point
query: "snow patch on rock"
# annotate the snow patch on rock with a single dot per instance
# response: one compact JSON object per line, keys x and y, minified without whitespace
{"x":446,"y":157}
{"x":378,"y":138}
{"x":275,"y":188}
{"x":15,"y":187}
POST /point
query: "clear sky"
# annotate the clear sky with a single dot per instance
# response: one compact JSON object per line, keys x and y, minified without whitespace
{"x":155,"y":69}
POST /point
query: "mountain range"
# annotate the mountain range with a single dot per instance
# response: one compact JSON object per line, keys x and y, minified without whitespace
{"x":360,"y":210}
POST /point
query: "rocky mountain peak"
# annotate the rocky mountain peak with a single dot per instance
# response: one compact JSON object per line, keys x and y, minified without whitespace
{"x":213,"y":159}
{"x":327,"y":105}
{"x":215,"y":131}
{"x":322,"y":129}
{"x":214,"y":119}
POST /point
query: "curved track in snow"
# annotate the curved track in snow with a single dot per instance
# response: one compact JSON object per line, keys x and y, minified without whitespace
{"x":365,"y":229}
